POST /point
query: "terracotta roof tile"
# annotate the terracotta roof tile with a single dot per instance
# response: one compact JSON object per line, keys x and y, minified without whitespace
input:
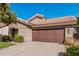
{"x":24,"y":22}
{"x":57,"y":21}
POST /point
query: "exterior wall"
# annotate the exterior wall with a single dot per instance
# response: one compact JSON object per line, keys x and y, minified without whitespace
{"x":37,"y":21}
{"x":25,"y":32}
{"x":4,"y":30}
{"x":70,"y":34}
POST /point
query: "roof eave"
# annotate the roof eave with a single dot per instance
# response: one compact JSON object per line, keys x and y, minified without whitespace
{"x":54,"y":25}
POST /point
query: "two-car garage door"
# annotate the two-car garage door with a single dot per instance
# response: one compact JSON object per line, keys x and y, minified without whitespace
{"x":56,"y":36}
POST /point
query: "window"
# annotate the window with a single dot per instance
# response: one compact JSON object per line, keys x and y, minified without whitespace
{"x":75,"y":30}
{"x":68,"y":31}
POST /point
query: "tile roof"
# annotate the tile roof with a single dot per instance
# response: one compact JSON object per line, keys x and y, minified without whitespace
{"x":58,"y":21}
{"x":47,"y":22}
{"x":24,"y":22}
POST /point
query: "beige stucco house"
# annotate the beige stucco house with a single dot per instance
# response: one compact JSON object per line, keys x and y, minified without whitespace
{"x":40,"y":28}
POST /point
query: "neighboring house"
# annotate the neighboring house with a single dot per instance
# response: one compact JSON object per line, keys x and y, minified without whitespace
{"x":40,"y":28}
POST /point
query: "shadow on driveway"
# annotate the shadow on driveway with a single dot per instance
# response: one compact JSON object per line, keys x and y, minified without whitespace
{"x":62,"y":54}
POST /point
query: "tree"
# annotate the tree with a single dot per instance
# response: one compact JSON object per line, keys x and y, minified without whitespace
{"x":6,"y":16}
{"x":77,"y":29}
{"x":1,"y":10}
{"x":77,"y":24}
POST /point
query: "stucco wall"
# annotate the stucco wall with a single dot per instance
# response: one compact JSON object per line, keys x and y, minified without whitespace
{"x":37,"y":21}
{"x":70,"y":34}
{"x":25,"y":32}
{"x":4,"y":30}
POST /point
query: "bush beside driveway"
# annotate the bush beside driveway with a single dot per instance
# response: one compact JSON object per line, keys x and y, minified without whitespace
{"x":34,"y":49}
{"x":6,"y":44}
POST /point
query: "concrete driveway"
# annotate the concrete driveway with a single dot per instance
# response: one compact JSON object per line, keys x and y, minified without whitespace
{"x":34,"y":49}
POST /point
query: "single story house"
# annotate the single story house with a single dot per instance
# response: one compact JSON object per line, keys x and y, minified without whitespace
{"x":40,"y":28}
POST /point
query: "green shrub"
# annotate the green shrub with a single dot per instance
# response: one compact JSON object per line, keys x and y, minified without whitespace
{"x":5,"y":38}
{"x":5,"y":44}
{"x":73,"y":51}
{"x":19,"y":39}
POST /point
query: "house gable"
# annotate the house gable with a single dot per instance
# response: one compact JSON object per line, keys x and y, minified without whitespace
{"x":36,"y":19}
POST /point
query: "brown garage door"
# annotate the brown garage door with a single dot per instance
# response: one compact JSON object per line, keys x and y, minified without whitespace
{"x":56,"y":36}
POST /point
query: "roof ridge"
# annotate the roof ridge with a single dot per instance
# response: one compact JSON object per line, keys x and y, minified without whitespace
{"x":60,"y":18}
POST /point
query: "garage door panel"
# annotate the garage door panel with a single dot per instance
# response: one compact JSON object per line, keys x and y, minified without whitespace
{"x":56,"y":36}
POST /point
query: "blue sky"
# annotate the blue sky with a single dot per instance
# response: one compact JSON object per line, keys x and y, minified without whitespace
{"x":50,"y":10}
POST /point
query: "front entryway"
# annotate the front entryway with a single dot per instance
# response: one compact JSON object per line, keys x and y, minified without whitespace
{"x":13,"y":32}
